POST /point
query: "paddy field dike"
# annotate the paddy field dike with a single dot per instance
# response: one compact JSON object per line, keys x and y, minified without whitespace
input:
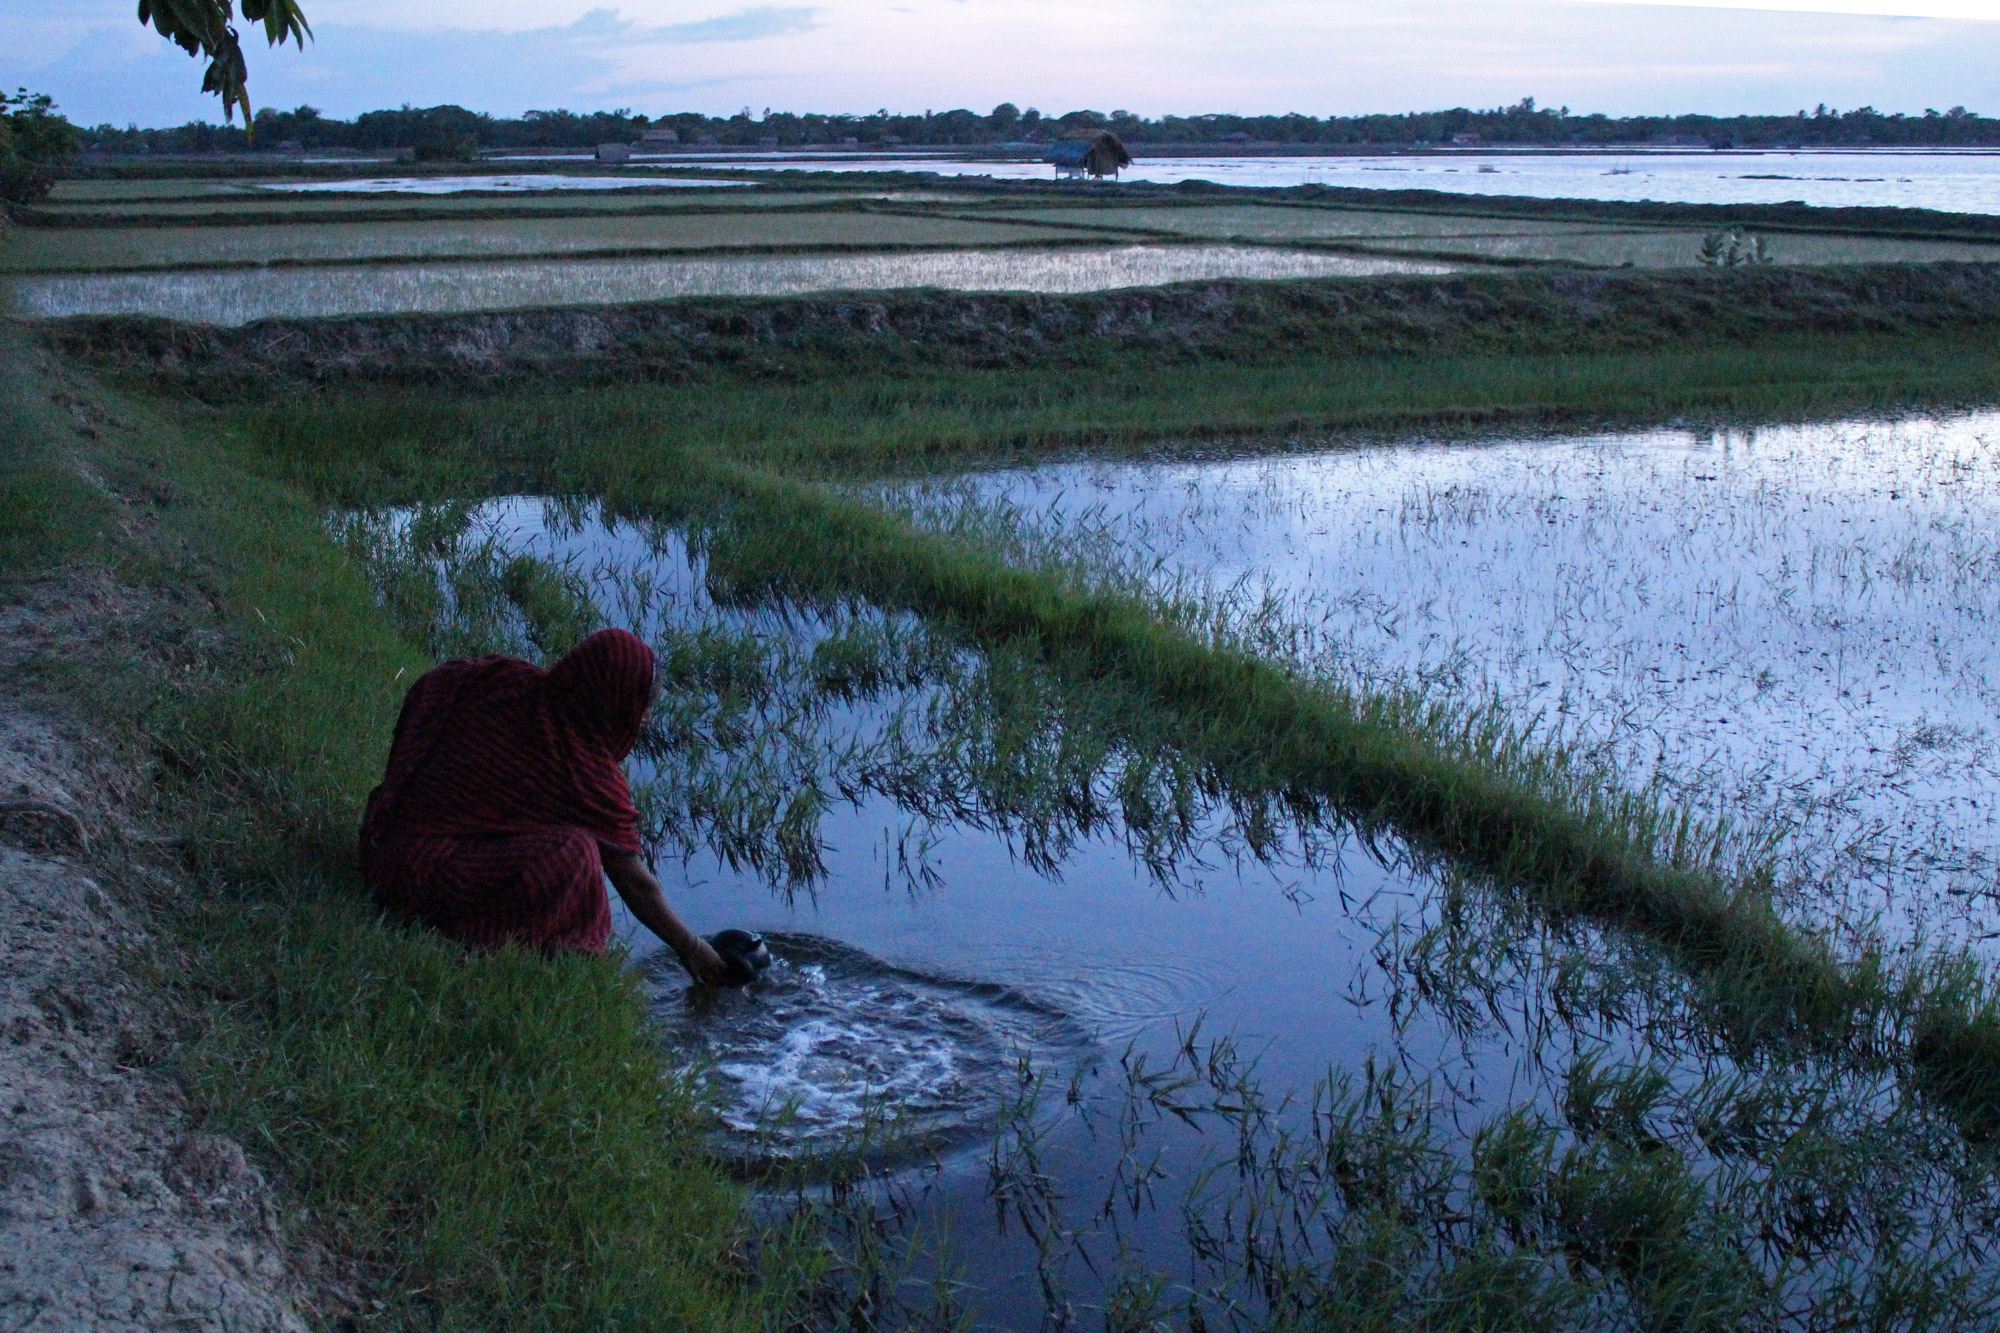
{"x":1309,"y":757}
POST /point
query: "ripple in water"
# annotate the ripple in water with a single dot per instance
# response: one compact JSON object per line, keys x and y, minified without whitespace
{"x":836,"y":1051}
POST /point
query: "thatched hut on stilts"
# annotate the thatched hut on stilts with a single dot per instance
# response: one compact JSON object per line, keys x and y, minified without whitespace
{"x":1097,"y":155}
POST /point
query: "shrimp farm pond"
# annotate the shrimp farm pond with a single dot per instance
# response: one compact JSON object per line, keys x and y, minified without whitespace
{"x":1305,"y":759}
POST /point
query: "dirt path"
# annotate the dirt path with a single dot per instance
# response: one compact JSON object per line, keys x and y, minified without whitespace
{"x":116,"y":1212}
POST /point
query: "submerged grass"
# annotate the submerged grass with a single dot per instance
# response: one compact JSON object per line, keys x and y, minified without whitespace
{"x":1669,"y":1178}
{"x":1382,"y":761}
{"x":1465,"y":788}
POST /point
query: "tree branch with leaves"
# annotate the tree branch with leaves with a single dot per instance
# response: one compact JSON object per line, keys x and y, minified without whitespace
{"x":208,"y":28}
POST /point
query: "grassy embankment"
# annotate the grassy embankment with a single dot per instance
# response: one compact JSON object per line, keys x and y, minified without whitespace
{"x":309,"y":242}
{"x":890,"y":381}
{"x":491,"y":1134}
{"x":513,"y":1168}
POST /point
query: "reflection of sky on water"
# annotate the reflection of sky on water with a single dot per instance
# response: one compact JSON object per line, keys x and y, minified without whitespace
{"x":239,"y":296}
{"x":1957,"y":182}
{"x":1789,"y":619}
{"x":1282,"y":953}
{"x":1952,"y":182}
{"x":951,"y":946}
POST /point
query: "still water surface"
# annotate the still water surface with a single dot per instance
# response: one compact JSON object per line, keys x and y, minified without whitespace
{"x":963,"y":934}
{"x":1949,"y":181}
{"x":1957,"y":182}
{"x":1788,"y":626}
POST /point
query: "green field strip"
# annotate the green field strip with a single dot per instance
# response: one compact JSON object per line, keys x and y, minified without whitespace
{"x":1902,"y":223}
{"x":278,"y":210}
{"x":38,"y":250}
{"x":452,"y":261}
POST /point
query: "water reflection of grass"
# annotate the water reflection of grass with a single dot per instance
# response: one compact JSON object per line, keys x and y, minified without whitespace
{"x":1473,"y":785}
{"x":1647,"y":1165}
{"x":1784,"y":629}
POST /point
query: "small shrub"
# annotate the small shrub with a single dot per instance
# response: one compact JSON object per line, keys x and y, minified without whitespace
{"x":451,"y":148}
{"x":1734,"y":248}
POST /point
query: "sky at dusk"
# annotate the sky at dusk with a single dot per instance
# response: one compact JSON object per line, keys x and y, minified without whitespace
{"x":1147,"y":56}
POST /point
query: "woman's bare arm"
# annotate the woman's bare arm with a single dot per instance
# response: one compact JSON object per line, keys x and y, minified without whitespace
{"x":641,"y":892}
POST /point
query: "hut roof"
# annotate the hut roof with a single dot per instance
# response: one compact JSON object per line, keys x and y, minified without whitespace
{"x":1100,"y":152}
{"x":1106,"y":155}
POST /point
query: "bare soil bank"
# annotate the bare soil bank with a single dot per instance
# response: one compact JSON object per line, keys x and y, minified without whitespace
{"x":929,"y":330}
{"x":119,"y":1213}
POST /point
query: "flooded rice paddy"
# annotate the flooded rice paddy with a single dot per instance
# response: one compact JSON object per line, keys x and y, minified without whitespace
{"x":230,"y":297}
{"x":1792,"y":628}
{"x":1156,"y":1038}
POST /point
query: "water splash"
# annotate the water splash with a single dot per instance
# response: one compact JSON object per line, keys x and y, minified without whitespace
{"x":835,"y":1051}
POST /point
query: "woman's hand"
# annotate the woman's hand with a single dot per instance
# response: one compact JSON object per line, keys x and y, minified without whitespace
{"x":641,"y":892}
{"x":705,"y":965}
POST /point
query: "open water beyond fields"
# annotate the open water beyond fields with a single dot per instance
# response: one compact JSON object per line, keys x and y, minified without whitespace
{"x":1106,"y":1016}
{"x":1950,"y":181}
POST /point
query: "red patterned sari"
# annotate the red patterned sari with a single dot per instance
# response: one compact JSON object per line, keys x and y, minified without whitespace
{"x":504,"y":783}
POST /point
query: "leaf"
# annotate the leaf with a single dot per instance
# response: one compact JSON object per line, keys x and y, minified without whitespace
{"x":206,"y":28}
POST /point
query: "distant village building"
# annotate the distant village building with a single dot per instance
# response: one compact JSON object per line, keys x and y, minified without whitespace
{"x":768,"y":141}
{"x":659,"y":136}
{"x":1098,"y":155}
{"x":614,"y":152}
{"x":1464,"y":140}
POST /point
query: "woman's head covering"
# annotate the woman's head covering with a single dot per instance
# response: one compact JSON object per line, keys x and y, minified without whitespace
{"x":602,"y":688}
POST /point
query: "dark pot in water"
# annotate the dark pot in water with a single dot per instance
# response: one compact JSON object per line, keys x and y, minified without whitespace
{"x":744,"y":954}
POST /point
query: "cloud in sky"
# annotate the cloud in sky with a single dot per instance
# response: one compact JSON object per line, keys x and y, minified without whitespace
{"x":745,"y":25}
{"x":1937,"y":9}
{"x":1150,"y":56}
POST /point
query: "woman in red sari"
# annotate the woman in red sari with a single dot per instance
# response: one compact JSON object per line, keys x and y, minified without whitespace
{"x":505,"y":804}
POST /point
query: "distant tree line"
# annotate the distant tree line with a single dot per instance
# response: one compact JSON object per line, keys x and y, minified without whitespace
{"x":452,"y":131}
